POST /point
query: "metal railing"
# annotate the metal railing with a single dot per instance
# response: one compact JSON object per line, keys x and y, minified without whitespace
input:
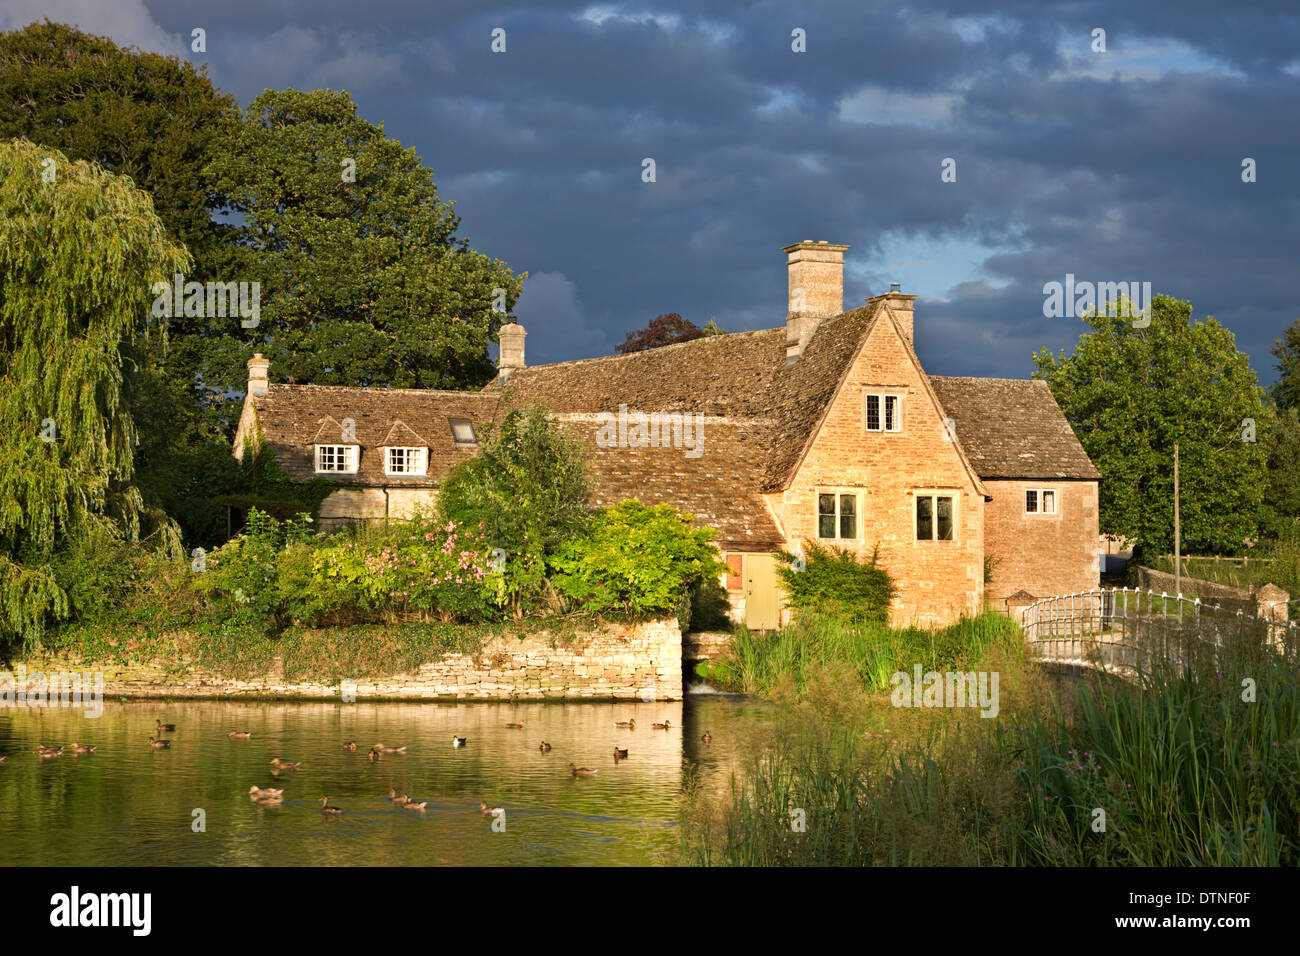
{"x":1128,"y":629}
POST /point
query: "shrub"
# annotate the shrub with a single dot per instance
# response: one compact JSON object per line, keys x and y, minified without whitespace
{"x":637,"y":561}
{"x":418,"y":566}
{"x":835,"y":582}
{"x":526,"y":491}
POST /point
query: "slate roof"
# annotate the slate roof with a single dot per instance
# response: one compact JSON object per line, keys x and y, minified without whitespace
{"x":1012,"y":428}
{"x":294,"y":417}
{"x":759,"y":416}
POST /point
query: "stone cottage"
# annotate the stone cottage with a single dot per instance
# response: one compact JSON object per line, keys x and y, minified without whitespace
{"x":826,"y":429}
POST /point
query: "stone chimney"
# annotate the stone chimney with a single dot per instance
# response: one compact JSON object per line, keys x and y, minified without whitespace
{"x":511,"y":337}
{"x":816,"y":271}
{"x":902,"y":307}
{"x":257,"y":371}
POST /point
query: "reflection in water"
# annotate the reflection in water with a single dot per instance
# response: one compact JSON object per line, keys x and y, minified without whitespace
{"x":129,"y":804}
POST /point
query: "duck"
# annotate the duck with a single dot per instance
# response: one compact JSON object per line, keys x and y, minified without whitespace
{"x":582,"y":771}
{"x":395,"y":797}
{"x":160,"y":727}
{"x":630,"y":724}
{"x":381,"y":748}
{"x":326,"y":809}
{"x":459,"y":741}
{"x":159,"y":744}
{"x":2,"y":758}
{"x":487,"y":811}
{"x":239,"y":734}
{"x":350,"y":745}
{"x":409,"y":804}
{"x":264,"y":793}
{"x":545,"y":747}
{"x":663,"y":726}
{"x":44,"y":751}
{"x":620,"y":753}
{"x":79,"y":749}
{"x":279,"y":764}
{"x":373,"y":755}
{"x":514,"y":726}
{"x":707,"y":738}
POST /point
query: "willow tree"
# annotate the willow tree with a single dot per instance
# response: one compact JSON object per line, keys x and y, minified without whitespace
{"x":80,"y":249}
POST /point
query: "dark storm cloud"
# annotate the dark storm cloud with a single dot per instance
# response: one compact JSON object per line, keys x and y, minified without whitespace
{"x":1116,"y":166}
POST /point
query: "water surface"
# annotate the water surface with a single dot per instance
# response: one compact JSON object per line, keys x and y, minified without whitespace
{"x":129,"y":805}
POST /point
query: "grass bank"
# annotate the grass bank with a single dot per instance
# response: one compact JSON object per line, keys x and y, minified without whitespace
{"x":1181,"y":769}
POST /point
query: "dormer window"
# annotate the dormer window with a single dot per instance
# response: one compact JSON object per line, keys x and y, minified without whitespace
{"x":462,"y":431}
{"x":884,"y":413}
{"x":341,"y":459}
{"x":404,"y":461}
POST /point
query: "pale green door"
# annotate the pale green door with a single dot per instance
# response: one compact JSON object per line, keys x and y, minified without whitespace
{"x":762,"y":603}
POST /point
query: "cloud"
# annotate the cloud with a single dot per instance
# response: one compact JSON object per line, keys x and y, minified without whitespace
{"x":557,"y":325}
{"x":125,"y":22}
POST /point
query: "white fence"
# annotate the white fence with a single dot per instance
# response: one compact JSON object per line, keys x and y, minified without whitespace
{"x":1127,"y":628}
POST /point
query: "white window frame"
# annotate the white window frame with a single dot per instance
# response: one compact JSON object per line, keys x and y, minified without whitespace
{"x":934,"y":494}
{"x":420,"y":454}
{"x":856,"y":495}
{"x":884,"y":398}
{"x":1038,"y":502}
{"x":351,"y":459}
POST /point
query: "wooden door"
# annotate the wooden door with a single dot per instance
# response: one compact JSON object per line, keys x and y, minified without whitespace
{"x":762,"y":601}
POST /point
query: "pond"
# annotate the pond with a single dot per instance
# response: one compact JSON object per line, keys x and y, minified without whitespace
{"x":127,"y":804}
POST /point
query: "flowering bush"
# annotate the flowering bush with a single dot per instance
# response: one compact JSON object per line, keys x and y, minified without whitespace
{"x":421,"y":565}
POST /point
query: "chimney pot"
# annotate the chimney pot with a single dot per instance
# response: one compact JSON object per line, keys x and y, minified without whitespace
{"x":511,"y":338}
{"x":258,"y":382}
{"x":902,"y":307}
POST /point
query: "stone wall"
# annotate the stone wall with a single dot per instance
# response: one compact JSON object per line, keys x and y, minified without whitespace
{"x":1269,"y":602}
{"x":619,"y":662}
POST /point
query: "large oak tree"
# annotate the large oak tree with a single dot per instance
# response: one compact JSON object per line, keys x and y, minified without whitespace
{"x":1132,"y":393}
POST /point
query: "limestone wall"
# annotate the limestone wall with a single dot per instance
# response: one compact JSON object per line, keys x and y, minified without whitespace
{"x":619,"y":662}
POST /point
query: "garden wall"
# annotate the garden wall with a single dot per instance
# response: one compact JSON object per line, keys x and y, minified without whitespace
{"x":618,"y":662}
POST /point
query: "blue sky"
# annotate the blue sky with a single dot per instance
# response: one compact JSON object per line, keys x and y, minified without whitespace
{"x":1115,"y":166}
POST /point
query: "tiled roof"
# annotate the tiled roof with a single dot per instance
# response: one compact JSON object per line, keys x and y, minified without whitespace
{"x":1012,"y":428}
{"x":294,"y":417}
{"x":759,"y":416}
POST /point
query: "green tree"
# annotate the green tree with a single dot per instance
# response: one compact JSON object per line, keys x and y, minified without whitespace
{"x":156,"y":119}
{"x":77,"y":258}
{"x":363,"y":279}
{"x":1130,"y":394}
{"x":1286,"y":390}
{"x":1280,"y":510}
{"x":527,"y":491}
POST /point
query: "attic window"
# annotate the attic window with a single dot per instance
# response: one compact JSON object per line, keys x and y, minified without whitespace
{"x":462,"y":430}
{"x":404,"y":461}
{"x":336,"y":458}
{"x":884,"y":413}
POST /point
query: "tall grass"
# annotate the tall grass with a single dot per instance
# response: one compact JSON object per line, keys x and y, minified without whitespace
{"x":1187,"y":768}
{"x":757,"y":663}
